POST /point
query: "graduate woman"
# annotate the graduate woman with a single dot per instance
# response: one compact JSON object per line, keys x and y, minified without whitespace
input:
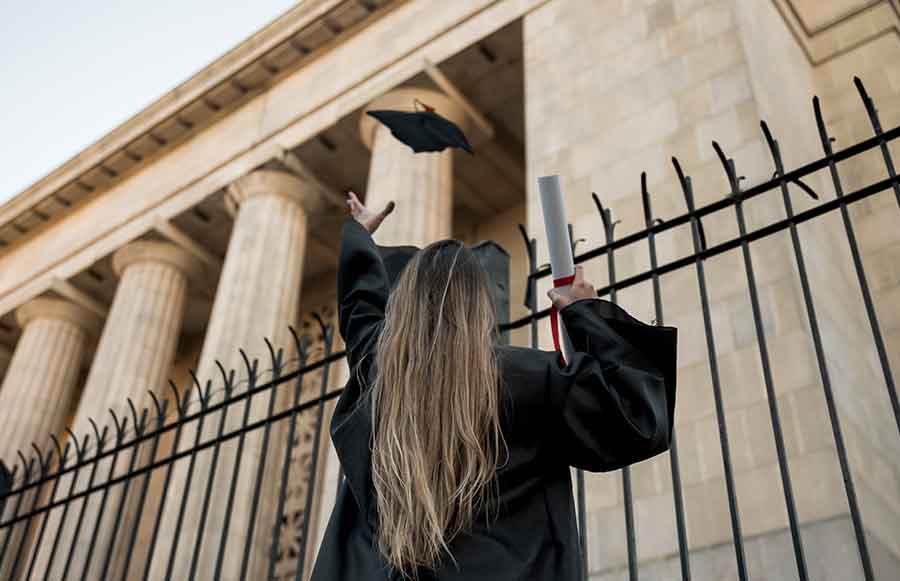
{"x":457,"y":450}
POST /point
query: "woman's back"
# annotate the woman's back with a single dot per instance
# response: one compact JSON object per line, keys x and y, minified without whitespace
{"x":610,"y":406}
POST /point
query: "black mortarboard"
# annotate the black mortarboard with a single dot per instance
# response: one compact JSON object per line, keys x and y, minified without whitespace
{"x":422,"y":130}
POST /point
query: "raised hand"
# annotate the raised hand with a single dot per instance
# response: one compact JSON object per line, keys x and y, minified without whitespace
{"x":579,"y":289}
{"x":369,"y":219}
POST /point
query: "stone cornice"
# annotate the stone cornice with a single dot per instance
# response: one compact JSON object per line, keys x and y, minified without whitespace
{"x":114,"y":154}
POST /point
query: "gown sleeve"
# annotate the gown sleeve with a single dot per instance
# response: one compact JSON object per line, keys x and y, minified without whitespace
{"x":362,"y":289}
{"x":613,"y":404}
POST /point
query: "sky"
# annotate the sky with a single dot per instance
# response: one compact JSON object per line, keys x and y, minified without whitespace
{"x":74,"y":70}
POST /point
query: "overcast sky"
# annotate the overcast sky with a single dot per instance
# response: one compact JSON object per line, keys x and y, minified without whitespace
{"x":74,"y":70}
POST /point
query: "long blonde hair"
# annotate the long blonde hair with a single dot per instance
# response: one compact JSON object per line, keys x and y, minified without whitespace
{"x":435,"y":407}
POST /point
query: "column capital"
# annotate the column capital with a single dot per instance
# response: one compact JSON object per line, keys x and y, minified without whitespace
{"x":46,"y":308}
{"x":156,"y":251}
{"x":403,"y":99}
{"x":269,"y":182}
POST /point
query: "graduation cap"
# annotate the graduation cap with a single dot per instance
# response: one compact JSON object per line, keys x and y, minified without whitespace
{"x":422,"y":130}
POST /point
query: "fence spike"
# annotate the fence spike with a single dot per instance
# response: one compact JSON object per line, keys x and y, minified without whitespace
{"x":200,"y":392}
{"x":645,"y":200}
{"x":194,"y":378}
{"x":730,"y":173}
{"x":272,"y":355}
{"x":869,"y":103}
{"x":226,"y":378}
{"x":59,"y":450}
{"x":321,"y":323}
{"x":688,"y":191}
{"x":97,"y":435}
{"x":298,"y":344}
{"x":120,"y":428}
{"x":820,"y":120}
{"x":74,"y":439}
{"x":775,"y":152}
{"x":600,"y":209}
{"x":26,"y":465}
{"x":155,"y":400}
{"x":134,"y":418}
{"x":251,"y":369}
{"x":40,"y":456}
{"x":177,"y":395}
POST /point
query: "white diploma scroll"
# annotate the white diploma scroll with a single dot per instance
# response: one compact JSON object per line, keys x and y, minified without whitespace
{"x":562,"y":263}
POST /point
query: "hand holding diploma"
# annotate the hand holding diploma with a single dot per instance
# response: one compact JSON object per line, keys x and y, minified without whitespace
{"x":562,"y":296}
{"x":559,"y":245}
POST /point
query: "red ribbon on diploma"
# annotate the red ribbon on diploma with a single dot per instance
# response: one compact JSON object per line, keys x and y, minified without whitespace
{"x":554,"y":314}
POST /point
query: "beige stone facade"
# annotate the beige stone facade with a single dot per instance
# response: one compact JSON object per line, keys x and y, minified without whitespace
{"x":209,"y":222}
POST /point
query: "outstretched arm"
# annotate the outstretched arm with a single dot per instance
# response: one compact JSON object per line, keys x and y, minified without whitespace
{"x":362,"y":284}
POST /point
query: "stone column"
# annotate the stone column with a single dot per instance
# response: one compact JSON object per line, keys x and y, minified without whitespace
{"x":40,"y":382}
{"x":39,"y":386}
{"x":420,"y":183}
{"x":134,"y":357}
{"x":257,"y":298}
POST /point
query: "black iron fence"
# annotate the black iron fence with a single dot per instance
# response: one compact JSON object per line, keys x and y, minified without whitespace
{"x":58,"y":500}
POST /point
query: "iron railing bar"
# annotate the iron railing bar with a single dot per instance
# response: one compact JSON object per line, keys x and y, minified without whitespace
{"x":261,"y":467}
{"x":170,"y":460}
{"x":79,"y":455}
{"x":307,"y":516}
{"x":40,"y":537}
{"x":124,"y":498}
{"x":714,"y":375}
{"x":855,"y":149}
{"x":720,"y":248}
{"x":170,"y":466}
{"x":859,"y":268}
{"x":749,"y":193}
{"x":677,"y":494}
{"x":204,"y":511}
{"x":286,"y":466}
{"x":771,"y":396}
{"x":103,"y":497}
{"x":238,"y":457}
{"x":9,"y":533}
{"x":879,"y":133}
{"x":806,"y":289}
{"x":44,"y":466}
{"x":154,"y":448}
{"x":188,"y":418}
{"x":101,"y":439}
{"x":627,"y":500}
{"x":192,"y":461}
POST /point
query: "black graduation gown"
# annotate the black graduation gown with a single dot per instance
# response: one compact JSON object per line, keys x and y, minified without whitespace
{"x":611,"y":406}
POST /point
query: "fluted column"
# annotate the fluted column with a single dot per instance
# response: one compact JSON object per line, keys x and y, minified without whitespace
{"x":134,"y":356}
{"x":40,"y":386}
{"x":257,"y":298}
{"x":40,"y":382}
{"x":420,"y":183}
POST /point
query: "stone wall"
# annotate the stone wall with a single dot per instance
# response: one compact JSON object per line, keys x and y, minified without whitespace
{"x":614,"y":88}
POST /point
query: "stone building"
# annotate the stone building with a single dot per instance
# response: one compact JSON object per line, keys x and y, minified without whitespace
{"x":210,"y":220}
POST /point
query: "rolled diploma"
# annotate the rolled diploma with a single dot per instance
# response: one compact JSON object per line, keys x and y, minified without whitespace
{"x":562,"y":263}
